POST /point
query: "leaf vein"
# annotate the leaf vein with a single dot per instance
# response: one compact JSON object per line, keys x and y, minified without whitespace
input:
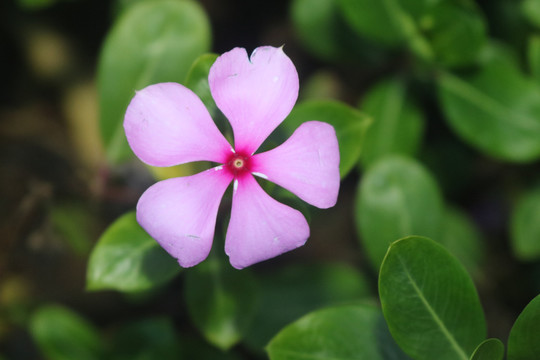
{"x":454,"y":344}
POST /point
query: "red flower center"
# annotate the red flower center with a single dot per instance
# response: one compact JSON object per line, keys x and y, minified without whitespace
{"x":238,"y":164}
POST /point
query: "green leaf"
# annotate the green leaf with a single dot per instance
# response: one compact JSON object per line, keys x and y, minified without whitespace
{"x":389,"y":22}
{"x":448,"y":32}
{"x":221,"y":301}
{"x":61,"y":334}
{"x":290,"y":292}
{"x":425,"y":290}
{"x":525,"y":226}
{"x":523,"y":341}
{"x":385,"y":21}
{"x":398,"y":124}
{"x":152,"y":338}
{"x":127,"y":259}
{"x":345,"y":332}
{"x":197,"y":81}
{"x":151,"y":42}
{"x":462,"y":239}
{"x":456,"y":32}
{"x":490,"y":349}
{"x":396,"y":197}
{"x":322,"y":29}
{"x":531,"y":11}
{"x":495,"y":109}
{"x":349,"y":123}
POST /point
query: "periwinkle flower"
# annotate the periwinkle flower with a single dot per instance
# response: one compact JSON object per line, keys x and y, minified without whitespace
{"x":167,"y":124}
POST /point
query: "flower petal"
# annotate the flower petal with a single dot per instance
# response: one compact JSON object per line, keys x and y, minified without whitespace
{"x":254,"y":94}
{"x":180,"y":213}
{"x":307,"y":164}
{"x":167,"y":124}
{"x":260,"y":227}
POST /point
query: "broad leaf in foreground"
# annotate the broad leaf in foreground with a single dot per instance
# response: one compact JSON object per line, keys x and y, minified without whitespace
{"x":425,"y":290}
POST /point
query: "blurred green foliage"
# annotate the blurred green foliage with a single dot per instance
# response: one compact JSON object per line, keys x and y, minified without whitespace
{"x":221,"y":301}
{"x":62,"y":334}
{"x":436,"y":105}
{"x":397,"y":197}
{"x":398,"y":123}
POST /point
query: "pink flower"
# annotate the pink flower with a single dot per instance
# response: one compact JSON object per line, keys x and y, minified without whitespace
{"x":167,"y":124}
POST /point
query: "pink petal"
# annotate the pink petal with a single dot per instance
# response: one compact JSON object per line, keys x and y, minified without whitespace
{"x":260,"y":227}
{"x":307,"y":164}
{"x":167,"y":124}
{"x":254,"y":94}
{"x":180,"y":213}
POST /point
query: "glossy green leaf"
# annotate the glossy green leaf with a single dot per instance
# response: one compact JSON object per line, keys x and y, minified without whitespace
{"x":197,"y":80}
{"x":531,"y":11}
{"x":349,"y":123}
{"x":398,"y":123}
{"x":151,"y":42}
{"x":490,"y":349}
{"x":495,"y":109}
{"x":396,"y":197}
{"x":523,"y":341}
{"x":350,"y":332}
{"x":462,"y":239}
{"x":290,"y":292}
{"x":456,"y":32}
{"x":221,"y":301}
{"x":425,"y":290}
{"x":525,"y":226}
{"x":126,"y":258}
{"x":152,"y":338}
{"x":63,"y":335}
{"x":323,"y":31}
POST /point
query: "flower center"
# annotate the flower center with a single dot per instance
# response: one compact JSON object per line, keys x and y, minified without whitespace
{"x":238,"y":164}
